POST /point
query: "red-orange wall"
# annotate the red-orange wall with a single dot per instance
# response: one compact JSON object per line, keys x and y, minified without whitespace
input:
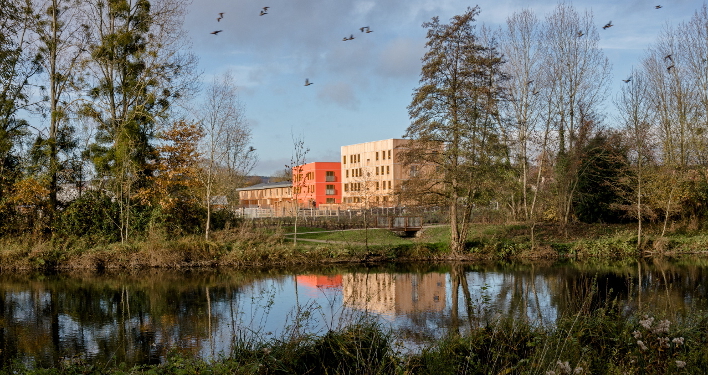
{"x":319,"y":182}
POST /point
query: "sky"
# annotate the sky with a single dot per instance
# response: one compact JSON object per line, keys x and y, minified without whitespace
{"x":361,"y":88}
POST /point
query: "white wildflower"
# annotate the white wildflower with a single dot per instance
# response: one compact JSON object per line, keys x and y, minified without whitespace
{"x":662,"y":327}
{"x":678,"y":341}
{"x":680,"y":364}
{"x":646,"y":323}
{"x":550,"y":373}
{"x":578,"y":370}
{"x":664,"y":342}
{"x":641,"y":345}
{"x":564,"y":367}
{"x":637,"y":335}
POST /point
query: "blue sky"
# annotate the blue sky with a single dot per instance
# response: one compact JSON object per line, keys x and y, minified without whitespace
{"x":361,"y":87}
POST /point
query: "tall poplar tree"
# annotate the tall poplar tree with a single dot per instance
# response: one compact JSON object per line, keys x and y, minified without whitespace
{"x":455,"y":122}
{"x":135,"y":72}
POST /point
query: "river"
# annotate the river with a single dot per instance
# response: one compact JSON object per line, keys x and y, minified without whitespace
{"x":141,"y":317}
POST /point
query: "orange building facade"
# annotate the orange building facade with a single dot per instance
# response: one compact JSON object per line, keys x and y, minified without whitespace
{"x":318,"y":183}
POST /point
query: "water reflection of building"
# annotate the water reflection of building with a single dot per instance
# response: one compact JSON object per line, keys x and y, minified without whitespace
{"x":317,"y":284}
{"x":394,"y":293}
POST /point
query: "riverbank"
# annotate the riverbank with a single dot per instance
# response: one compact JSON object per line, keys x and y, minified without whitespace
{"x":590,"y":341}
{"x":250,"y":246}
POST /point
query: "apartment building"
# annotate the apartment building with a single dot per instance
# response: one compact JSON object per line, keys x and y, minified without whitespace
{"x":273,"y":195}
{"x":371,"y":172}
{"x":318,"y":183}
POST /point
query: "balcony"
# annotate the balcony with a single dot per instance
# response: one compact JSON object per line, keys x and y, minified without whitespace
{"x":330,"y":192}
{"x":331,"y":178}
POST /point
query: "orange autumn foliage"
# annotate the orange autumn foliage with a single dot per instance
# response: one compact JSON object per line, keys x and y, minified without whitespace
{"x":176,"y":170}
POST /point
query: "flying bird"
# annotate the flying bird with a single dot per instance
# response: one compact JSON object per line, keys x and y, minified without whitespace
{"x":657,"y":7}
{"x":627,"y":80}
{"x":307,"y":82}
{"x":368,"y":30}
{"x":668,"y":57}
{"x":668,"y":69}
{"x":608,"y":25}
{"x":264,"y":11}
{"x":350,"y":38}
{"x":216,"y":32}
{"x":580,"y":33}
{"x":363,"y":28}
{"x":221,"y":15}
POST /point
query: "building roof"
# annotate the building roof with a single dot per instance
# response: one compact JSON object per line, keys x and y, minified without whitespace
{"x":268,"y":185}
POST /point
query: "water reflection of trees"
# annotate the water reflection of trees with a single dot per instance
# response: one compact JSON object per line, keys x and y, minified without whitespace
{"x":138,"y":318}
{"x":122,"y":319}
{"x":540,"y":293}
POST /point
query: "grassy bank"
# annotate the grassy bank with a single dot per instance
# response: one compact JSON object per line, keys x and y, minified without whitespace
{"x":602,"y":341}
{"x":250,"y":245}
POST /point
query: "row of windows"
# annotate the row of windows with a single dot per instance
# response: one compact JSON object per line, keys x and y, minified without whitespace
{"x":329,"y":189}
{"x":359,"y":200}
{"x":356,"y":158}
{"x":352,"y":159}
{"x":357,"y":186}
{"x":310,"y":176}
{"x":356,"y":172}
{"x":383,"y":155}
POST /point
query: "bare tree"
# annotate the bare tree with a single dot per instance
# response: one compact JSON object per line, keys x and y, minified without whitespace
{"x":523,"y":54}
{"x":229,"y":158}
{"x":576,"y":76}
{"x":634,"y":115}
{"x":299,"y":179}
{"x":62,"y":46}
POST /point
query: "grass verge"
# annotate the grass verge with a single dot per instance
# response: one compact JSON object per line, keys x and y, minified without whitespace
{"x":600,"y":341}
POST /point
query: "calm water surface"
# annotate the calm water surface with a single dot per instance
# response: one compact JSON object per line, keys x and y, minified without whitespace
{"x":141,"y":317}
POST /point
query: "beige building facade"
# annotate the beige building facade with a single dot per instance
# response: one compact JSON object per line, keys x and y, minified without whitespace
{"x":274,"y":195}
{"x":371,"y":172}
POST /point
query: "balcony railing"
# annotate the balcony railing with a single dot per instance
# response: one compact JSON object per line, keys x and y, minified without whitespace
{"x":330,"y":192}
{"x":331,"y":178}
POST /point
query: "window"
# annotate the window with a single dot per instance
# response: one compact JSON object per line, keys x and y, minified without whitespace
{"x":377,"y":155}
{"x":377,"y":185}
{"x":385,"y":199}
{"x":351,"y":159}
{"x":388,"y":170}
{"x":347,"y":173}
{"x":312,"y":189}
{"x":389,"y":154}
{"x":330,"y":200}
{"x":346,"y":187}
{"x":359,"y":174}
{"x":414,"y":171}
{"x":329,"y":176}
{"x":344,"y":159}
{"x":329,"y":190}
{"x":358,"y":158}
{"x":377,"y":171}
{"x":389,"y":184}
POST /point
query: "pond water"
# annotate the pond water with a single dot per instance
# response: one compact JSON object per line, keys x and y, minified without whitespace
{"x":139,"y":318}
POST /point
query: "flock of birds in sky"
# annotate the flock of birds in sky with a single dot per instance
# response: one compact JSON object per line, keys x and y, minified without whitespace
{"x":367,"y":30}
{"x":264,"y":11}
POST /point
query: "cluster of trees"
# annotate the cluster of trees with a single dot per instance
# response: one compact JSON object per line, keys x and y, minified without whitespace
{"x":116,"y":89}
{"x":524,"y":118}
